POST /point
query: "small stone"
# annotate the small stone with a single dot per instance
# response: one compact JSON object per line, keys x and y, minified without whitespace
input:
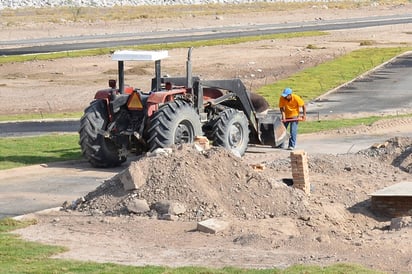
{"x":137,"y":206}
{"x":212,"y":226}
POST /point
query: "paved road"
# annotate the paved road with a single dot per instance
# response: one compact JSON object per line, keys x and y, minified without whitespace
{"x":33,"y":128}
{"x":144,"y":38}
{"x":38,"y":187}
{"x":387,"y":90}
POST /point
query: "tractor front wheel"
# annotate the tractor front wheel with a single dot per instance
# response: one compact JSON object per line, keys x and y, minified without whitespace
{"x":231,"y":131}
{"x":99,"y":150}
{"x":174,"y":123}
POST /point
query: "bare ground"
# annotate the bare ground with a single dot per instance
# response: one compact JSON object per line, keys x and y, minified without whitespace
{"x":270,"y":224}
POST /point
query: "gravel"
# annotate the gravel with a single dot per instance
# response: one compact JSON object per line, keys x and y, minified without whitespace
{"x":110,"y":3}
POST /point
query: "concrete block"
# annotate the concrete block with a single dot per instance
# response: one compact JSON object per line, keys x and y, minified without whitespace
{"x":133,"y":177}
{"x":212,"y":226}
{"x":137,"y":206}
{"x":202,"y":142}
{"x":169,"y":207}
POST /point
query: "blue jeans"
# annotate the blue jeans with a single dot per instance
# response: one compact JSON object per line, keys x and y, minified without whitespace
{"x":293,"y":132}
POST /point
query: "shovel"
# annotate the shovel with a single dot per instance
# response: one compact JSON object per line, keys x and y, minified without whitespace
{"x":299,"y":119}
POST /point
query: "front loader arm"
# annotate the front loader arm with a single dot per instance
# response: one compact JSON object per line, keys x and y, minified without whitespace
{"x":242,"y":101}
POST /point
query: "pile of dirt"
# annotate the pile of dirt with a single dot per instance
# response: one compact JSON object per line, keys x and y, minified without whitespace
{"x":215,"y":183}
{"x":396,"y":151}
{"x":207,"y":184}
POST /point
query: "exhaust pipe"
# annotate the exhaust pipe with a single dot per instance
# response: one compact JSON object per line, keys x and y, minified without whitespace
{"x":189,"y":83}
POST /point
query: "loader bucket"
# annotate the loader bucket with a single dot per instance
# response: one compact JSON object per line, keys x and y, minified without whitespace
{"x":272,"y":131}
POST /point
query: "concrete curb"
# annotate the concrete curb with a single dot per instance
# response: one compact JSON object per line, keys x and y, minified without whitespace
{"x":32,"y":215}
{"x":44,"y":120}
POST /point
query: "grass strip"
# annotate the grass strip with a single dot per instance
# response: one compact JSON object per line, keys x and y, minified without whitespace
{"x":327,"y":125}
{"x":22,"y":151}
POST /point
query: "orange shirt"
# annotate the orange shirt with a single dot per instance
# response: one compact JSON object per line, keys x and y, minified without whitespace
{"x":291,"y":107}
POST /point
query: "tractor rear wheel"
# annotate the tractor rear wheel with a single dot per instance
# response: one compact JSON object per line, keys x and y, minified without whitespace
{"x":174,"y":123}
{"x":96,"y":148}
{"x":231,"y":131}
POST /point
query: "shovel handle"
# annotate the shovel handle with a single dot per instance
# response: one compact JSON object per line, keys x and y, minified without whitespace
{"x":293,"y":119}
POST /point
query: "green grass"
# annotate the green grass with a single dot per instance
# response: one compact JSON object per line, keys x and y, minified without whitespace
{"x":18,"y":256}
{"x":313,"y":82}
{"x":22,"y":151}
{"x":326,"y":125}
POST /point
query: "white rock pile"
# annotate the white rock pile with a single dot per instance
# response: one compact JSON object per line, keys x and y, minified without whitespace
{"x":14,"y":4}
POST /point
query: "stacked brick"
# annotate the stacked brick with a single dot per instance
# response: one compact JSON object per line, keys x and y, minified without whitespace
{"x":300,"y":170}
{"x":393,"y":201}
{"x":392,"y":206}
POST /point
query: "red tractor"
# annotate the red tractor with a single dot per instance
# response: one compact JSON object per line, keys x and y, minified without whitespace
{"x":176,"y":110}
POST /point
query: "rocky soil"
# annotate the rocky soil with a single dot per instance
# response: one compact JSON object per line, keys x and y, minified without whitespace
{"x":100,"y":3}
{"x":215,"y":183}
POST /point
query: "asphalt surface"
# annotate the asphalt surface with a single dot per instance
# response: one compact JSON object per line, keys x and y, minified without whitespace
{"x":40,"y":127}
{"x":20,"y":197}
{"x":387,"y":90}
{"x":38,"y":187}
{"x":132,"y":39}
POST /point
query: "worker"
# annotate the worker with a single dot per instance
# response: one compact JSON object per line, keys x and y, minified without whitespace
{"x":290,"y":105}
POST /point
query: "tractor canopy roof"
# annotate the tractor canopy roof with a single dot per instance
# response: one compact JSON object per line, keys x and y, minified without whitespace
{"x":139,"y":55}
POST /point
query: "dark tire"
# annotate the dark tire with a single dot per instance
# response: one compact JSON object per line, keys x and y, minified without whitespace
{"x":174,"y":123}
{"x":231,"y":131}
{"x":97,"y":149}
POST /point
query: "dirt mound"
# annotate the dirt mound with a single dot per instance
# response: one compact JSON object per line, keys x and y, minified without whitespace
{"x":215,"y":183}
{"x":212,"y":183}
{"x":396,"y":151}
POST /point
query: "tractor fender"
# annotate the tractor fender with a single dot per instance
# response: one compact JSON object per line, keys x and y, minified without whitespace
{"x":106,"y":93}
{"x":113,"y":104}
{"x":103,"y":94}
{"x":160,"y":97}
